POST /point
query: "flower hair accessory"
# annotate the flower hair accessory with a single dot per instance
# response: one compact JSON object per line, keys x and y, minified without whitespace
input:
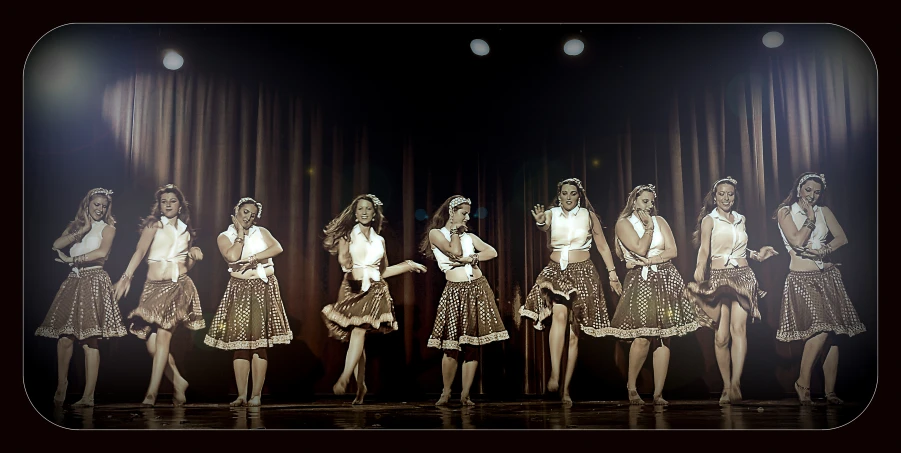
{"x":728,"y":179}
{"x":102,"y":191}
{"x":804,"y":178}
{"x":457,"y":202}
{"x":375,"y":199}
{"x":251,"y":200}
{"x":573,"y":180}
{"x":643,"y":187}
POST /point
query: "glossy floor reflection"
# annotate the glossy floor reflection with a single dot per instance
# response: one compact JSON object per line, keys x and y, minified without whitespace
{"x":339,"y":414}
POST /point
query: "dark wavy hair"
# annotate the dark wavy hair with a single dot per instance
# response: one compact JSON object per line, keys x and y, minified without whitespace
{"x":708,"y":205}
{"x":439,"y":219}
{"x":341,"y":226}
{"x":156,"y":212}
{"x":793,"y":195}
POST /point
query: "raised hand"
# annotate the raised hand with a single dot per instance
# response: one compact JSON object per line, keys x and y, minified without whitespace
{"x":238,"y":227}
{"x":766,"y":253}
{"x":538,"y":213}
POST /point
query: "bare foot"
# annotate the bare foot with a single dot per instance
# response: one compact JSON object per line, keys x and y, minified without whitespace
{"x":60,"y":396}
{"x":464,"y":400}
{"x":181,"y":386}
{"x":553,"y":384}
{"x":634,"y":397}
{"x":240,"y":402}
{"x":566,"y":399}
{"x":340,"y":386}
{"x":832,"y":398}
{"x":149,"y":400}
{"x":735,"y":394}
{"x":254,"y":402}
{"x":724,"y":398}
{"x":84,"y":402}
{"x":361,"y":392}
{"x":445,"y":395}
{"x":659,"y":401}
{"x":803,"y":394}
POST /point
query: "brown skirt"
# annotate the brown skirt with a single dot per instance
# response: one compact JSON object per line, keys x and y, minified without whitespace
{"x":84,"y":307}
{"x":166,"y":304}
{"x":467,"y":314}
{"x":250,"y":316}
{"x":725,"y":285}
{"x":372,"y":310}
{"x":579,"y":287}
{"x":814,"y":302}
{"x":654,"y":307}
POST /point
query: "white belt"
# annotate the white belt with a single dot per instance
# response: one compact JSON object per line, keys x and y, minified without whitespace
{"x":370,"y":273}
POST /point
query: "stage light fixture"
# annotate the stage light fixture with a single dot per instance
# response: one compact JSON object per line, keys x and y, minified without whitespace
{"x":479,"y":47}
{"x":573,"y":47}
{"x":773,"y":39}
{"x":172,"y":60}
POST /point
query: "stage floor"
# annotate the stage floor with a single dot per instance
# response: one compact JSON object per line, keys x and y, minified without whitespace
{"x":331,"y":414}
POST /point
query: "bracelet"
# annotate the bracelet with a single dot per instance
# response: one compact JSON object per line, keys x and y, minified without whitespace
{"x":253,"y":260}
{"x":809,"y":224}
{"x":475,"y":259}
{"x":241,"y":240}
{"x":410,"y":264}
{"x":540,"y":224}
{"x":125,"y":276}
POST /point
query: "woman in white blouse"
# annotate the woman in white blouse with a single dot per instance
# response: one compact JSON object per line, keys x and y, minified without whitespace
{"x":251,"y":316}
{"x":729,"y":296}
{"x":568,"y":290}
{"x":815,"y":306}
{"x":84,"y":309}
{"x":169,"y":298}
{"x":467,"y":315}
{"x":364,"y":303}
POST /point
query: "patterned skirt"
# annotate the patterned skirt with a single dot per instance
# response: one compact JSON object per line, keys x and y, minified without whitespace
{"x":815,"y":302}
{"x":250,"y":316}
{"x":84,"y":307}
{"x":372,"y":309}
{"x":654,"y":307}
{"x":579,"y":287}
{"x":725,"y":285}
{"x":467,"y":314}
{"x":167,"y":304}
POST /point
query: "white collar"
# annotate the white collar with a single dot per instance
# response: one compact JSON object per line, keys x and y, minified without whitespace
{"x":796,"y":208}
{"x":181,"y":227}
{"x":572,"y":213}
{"x":231,"y":230}
{"x":358,"y":231}
{"x":738,"y":217}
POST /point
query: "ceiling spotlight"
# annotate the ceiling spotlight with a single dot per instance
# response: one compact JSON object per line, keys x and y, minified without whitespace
{"x":573,"y":47}
{"x":773,"y":39}
{"x":172,"y":60}
{"x":479,"y":47}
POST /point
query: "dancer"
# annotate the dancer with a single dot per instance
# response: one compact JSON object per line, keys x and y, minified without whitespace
{"x":364,"y":303}
{"x":83,"y":310}
{"x":815,"y":306}
{"x":169,"y":298}
{"x":730,"y":295}
{"x":652,"y":309}
{"x":569,"y":286}
{"x":467,"y":311}
{"x":251,"y":316}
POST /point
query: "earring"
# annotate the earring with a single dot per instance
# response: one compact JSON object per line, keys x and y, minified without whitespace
{"x":579,"y":204}
{"x":179,"y":209}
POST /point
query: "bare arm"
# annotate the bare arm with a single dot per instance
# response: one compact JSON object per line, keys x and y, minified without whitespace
{"x":124,"y":283}
{"x":669,"y":243}
{"x":796,"y":237}
{"x":601,"y":243}
{"x":630,"y":239}
{"x":66,"y":238}
{"x":400,"y":268}
{"x":344,"y":258}
{"x":230,"y":251}
{"x":274,"y":249}
{"x":840,"y":238}
{"x":704,"y":249}
{"x":450,"y":248}
{"x":106,"y":242}
{"x":484,"y":251}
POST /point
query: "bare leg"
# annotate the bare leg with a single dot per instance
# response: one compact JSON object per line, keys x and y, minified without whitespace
{"x":572,"y":354}
{"x":63,"y":357}
{"x":469,"y":373}
{"x":259,"y":377}
{"x":555,"y":340}
{"x":739,"y":348}
{"x":448,"y":372}
{"x":812,"y":348}
{"x":242,"y":371}
{"x":92,"y":368}
{"x":171,"y":372}
{"x":830,"y":370}
{"x":661,"y":366}
{"x":360,"y":376}
{"x":354,"y":352}
{"x":723,"y":355}
{"x":638,"y":353}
